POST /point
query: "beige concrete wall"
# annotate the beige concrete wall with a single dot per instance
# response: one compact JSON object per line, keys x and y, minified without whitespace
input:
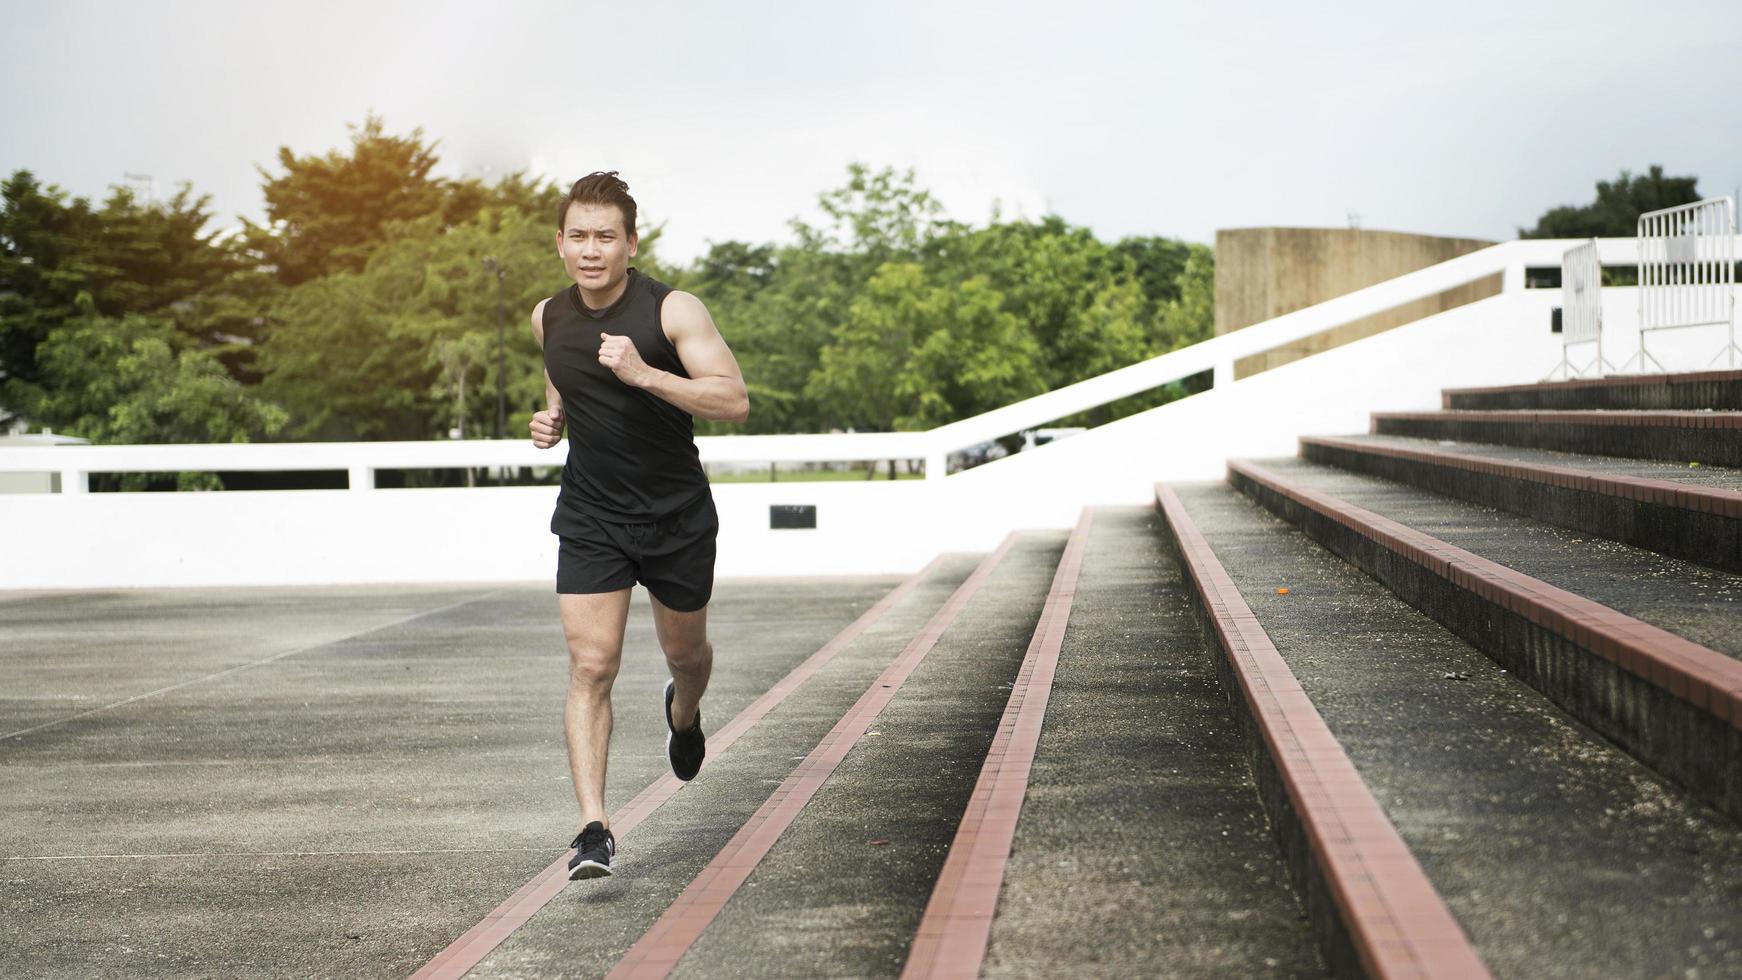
{"x":1265,"y":272}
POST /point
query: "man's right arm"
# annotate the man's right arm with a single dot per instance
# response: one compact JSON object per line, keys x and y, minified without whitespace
{"x":546,"y":426}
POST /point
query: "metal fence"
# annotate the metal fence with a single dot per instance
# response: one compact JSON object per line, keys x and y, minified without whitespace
{"x":1581,"y":308}
{"x":1687,"y":273}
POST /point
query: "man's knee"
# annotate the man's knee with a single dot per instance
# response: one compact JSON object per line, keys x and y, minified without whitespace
{"x":689,"y":654}
{"x":592,"y":668}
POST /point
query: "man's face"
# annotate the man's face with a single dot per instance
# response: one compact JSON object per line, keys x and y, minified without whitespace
{"x":594,"y":248}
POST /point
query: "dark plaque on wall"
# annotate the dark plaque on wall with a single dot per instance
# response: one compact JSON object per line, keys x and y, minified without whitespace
{"x":792,"y":516}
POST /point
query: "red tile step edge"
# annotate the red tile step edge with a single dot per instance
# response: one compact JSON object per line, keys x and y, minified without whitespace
{"x":1671,"y":419}
{"x":954,"y":931}
{"x":476,"y":943}
{"x":1640,"y":380}
{"x":657,"y":952}
{"x":1395,"y":919}
{"x":1703,"y":677}
{"x":1703,"y":500}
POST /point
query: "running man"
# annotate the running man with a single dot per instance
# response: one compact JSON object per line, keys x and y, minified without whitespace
{"x":628,"y":362}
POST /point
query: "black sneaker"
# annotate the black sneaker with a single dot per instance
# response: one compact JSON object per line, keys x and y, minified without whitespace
{"x":594,"y":847}
{"x":685,"y":749}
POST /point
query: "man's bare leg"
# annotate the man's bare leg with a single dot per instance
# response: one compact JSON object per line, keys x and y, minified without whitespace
{"x":593,"y":625}
{"x":684,"y":638}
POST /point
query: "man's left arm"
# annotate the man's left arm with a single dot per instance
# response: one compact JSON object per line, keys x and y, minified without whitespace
{"x":714,"y":389}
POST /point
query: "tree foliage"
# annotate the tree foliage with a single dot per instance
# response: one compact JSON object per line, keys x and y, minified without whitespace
{"x":61,"y":257}
{"x":1615,"y":213}
{"x":405,"y":348}
{"x":134,"y":379}
{"x":361,"y":309}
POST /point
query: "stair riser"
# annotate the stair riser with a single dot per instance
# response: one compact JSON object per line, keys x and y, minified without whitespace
{"x":1721,"y":447}
{"x":1304,"y":871}
{"x":1688,"y":744}
{"x":1721,"y":392}
{"x":1710,"y":539}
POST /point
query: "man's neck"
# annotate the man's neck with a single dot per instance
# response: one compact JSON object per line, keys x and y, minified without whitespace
{"x":604,"y":298}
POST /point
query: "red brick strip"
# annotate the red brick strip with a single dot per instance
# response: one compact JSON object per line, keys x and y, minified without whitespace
{"x":1395,"y":920}
{"x":952,"y":935}
{"x":1703,"y":677}
{"x":1640,"y":380}
{"x":657,"y":952}
{"x":1532,"y":416}
{"x":1724,"y":503}
{"x":471,"y":948}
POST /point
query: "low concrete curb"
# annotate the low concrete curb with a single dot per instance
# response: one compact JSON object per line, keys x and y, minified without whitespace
{"x":1372,"y":907}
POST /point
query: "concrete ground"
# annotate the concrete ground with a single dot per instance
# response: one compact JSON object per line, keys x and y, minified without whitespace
{"x":316,"y":781}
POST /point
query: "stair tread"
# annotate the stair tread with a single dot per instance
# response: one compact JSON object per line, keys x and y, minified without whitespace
{"x":1507,"y":804}
{"x":825,"y":900}
{"x":1703,"y":476}
{"x":668,"y":849}
{"x":1142,"y":847}
{"x":1693,"y":601}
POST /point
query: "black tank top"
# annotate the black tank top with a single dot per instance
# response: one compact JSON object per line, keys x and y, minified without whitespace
{"x":632,"y":455}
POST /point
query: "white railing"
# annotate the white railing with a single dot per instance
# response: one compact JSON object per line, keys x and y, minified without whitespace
{"x":1216,"y":356}
{"x":1581,"y":307}
{"x":76,"y":539}
{"x":1687,"y":273}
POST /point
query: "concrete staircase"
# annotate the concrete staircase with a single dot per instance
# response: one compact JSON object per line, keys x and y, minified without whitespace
{"x":1401,"y":706}
{"x":1459,"y":697}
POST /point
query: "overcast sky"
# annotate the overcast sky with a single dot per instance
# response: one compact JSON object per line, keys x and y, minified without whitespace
{"x":1173,"y":119}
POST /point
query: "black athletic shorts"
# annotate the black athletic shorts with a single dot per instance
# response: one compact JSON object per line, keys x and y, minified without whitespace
{"x":673,"y":558}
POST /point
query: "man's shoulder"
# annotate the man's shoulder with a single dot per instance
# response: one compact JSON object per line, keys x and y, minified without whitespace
{"x":658,"y":289}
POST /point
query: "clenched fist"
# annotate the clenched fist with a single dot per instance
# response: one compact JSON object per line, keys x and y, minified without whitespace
{"x":547,"y":427}
{"x":619,"y":354}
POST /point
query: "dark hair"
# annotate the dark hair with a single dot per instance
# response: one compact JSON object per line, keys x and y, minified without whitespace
{"x":596,"y":188}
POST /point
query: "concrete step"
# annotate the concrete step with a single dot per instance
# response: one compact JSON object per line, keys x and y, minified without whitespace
{"x":1705,"y":437}
{"x":1641,"y":647}
{"x":586,"y":929}
{"x":1559,"y":855}
{"x":1142,"y":848}
{"x":1691,"y":391}
{"x":839,"y":891}
{"x":1690,"y":513}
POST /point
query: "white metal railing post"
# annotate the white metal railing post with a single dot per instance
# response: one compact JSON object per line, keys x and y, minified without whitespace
{"x":936,"y":467}
{"x":1512,"y":278}
{"x":1687,"y":273}
{"x":1222,"y":375}
{"x":75,"y":481}
{"x":362,"y":477}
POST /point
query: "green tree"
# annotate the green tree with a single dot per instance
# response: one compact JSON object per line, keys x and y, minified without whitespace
{"x":1615,"y":213}
{"x":60,"y":256}
{"x":393,"y":350}
{"x":327,"y":213}
{"x":135,"y":379}
{"x":914,"y":354}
